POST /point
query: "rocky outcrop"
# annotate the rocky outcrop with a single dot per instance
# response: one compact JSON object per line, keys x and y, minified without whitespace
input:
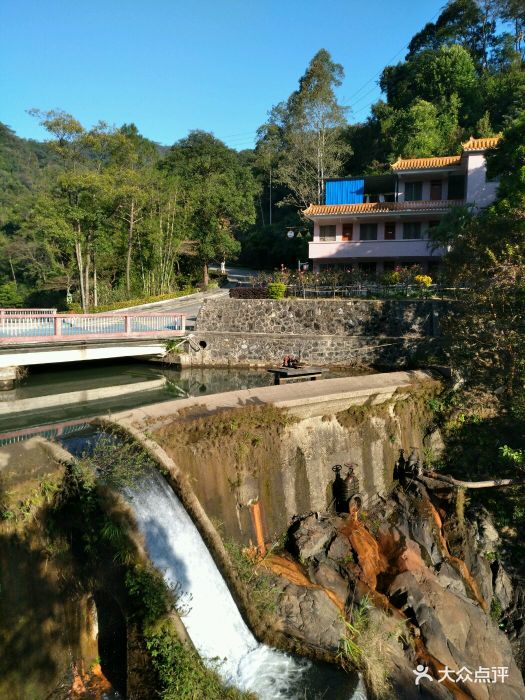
{"x":429,"y":607}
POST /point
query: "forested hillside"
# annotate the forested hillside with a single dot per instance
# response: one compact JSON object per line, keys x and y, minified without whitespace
{"x":103,"y":214}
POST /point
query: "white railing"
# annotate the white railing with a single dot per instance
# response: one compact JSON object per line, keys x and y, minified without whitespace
{"x":28,"y":312}
{"x":82,"y":326}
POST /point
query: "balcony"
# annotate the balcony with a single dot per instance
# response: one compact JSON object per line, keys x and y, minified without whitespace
{"x":372,"y":250}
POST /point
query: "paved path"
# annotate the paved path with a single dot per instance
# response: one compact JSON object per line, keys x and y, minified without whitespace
{"x":191,"y":304}
{"x":188,"y":305}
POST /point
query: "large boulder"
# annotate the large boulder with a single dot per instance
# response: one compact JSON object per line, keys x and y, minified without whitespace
{"x":309,"y":615}
{"x":309,"y":536}
{"x":457,"y":633}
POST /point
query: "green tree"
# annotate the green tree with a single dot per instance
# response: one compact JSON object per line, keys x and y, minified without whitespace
{"x":219,"y":192}
{"x":469,"y":23}
{"x":486,"y":327}
{"x":309,"y":128}
{"x":432,"y":75}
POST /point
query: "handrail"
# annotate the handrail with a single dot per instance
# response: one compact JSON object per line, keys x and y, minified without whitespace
{"x":83,"y":326}
{"x":27,"y":312}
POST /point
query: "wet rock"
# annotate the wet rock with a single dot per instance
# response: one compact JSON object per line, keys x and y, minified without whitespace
{"x":482,"y":574}
{"x":340,"y":549}
{"x":457,"y":632}
{"x":309,"y":615}
{"x":309,"y":536}
{"x":449,"y":578}
{"x":419,"y":529}
{"x":503,"y":589}
{"x":329,"y":578}
{"x":371,"y":560}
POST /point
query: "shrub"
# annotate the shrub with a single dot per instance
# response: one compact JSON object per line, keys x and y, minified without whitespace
{"x":391,"y":278}
{"x":76,"y":308}
{"x":249,"y":293}
{"x":276,"y":290}
{"x":9,"y":295}
{"x":423,"y":280}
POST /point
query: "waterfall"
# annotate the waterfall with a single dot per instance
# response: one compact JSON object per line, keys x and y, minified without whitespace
{"x":213,"y":621}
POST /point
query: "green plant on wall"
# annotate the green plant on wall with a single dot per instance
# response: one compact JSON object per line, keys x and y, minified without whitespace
{"x":276,"y":290}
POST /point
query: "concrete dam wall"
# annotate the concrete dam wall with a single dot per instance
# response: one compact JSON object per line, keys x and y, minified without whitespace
{"x":274,"y":447}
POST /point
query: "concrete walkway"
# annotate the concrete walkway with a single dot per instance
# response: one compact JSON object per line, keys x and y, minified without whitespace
{"x":303,"y":399}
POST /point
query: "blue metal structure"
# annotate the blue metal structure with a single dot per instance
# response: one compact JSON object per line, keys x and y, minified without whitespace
{"x":344,"y":191}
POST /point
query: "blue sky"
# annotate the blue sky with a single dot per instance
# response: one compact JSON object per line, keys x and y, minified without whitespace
{"x":171,"y":66}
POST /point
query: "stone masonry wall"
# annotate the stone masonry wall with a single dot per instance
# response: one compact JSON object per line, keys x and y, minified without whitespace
{"x":248,"y":332}
{"x":348,"y":317}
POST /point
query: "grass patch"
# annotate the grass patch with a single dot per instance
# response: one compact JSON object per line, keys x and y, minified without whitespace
{"x":260,"y":584}
{"x":368,"y":646}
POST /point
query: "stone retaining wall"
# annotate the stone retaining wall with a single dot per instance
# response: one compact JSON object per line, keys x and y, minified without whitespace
{"x":245,"y":332}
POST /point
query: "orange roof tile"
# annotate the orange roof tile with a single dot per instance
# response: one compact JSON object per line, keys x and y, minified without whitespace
{"x":480,"y":144}
{"x":425,"y":163}
{"x":379,"y":207}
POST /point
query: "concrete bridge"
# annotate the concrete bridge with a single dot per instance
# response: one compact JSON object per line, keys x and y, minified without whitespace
{"x":41,"y":336}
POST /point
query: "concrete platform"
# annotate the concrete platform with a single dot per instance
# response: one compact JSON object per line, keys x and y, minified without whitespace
{"x":304,"y":400}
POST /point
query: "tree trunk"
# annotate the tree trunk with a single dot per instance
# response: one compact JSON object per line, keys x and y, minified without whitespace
{"x":205,"y":276}
{"x":80,"y":266}
{"x":12,"y":270}
{"x":95,"y":287}
{"x":86,"y":284}
{"x":490,"y":483}
{"x":270,"y":198}
{"x":130,"y":247}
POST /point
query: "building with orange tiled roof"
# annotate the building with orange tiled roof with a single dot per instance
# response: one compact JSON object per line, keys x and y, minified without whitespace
{"x":378,"y":222}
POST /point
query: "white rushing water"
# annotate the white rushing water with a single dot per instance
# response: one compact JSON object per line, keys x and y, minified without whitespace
{"x":213,"y":621}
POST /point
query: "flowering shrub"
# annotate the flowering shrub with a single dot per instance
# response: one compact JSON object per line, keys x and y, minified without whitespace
{"x":423,"y":280}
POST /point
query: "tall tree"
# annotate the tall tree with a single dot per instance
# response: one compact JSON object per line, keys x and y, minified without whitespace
{"x":219,"y":191}
{"x":309,"y":124}
{"x":486,"y":326}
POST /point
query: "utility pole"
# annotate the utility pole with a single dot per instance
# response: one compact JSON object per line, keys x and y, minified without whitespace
{"x":270,"y":195}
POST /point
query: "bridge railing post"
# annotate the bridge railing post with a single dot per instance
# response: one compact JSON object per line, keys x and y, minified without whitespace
{"x":127,"y":325}
{"x":57,"y":325}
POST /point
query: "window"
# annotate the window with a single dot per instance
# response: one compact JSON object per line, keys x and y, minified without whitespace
{"x":327,"y":233}
{"x":390,"y":231}
{"x":348,"y":230}
{"x":411,"y":229}
{"x":368,"y":232}
{"x":456,"y":187}
{"x":413,"y":191}
{"x":436,"y":190}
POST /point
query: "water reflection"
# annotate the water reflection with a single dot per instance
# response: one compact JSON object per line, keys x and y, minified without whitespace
{"x":52,"y":380}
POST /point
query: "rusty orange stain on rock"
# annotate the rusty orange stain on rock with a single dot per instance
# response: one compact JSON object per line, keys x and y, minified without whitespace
{"x":92,"y":684}
{"x":293,"y":572}
{"x":370,"y":558}
{"x":458,"y":563}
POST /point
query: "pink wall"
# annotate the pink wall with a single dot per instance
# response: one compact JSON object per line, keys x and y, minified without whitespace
{"x":362,"y":250}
